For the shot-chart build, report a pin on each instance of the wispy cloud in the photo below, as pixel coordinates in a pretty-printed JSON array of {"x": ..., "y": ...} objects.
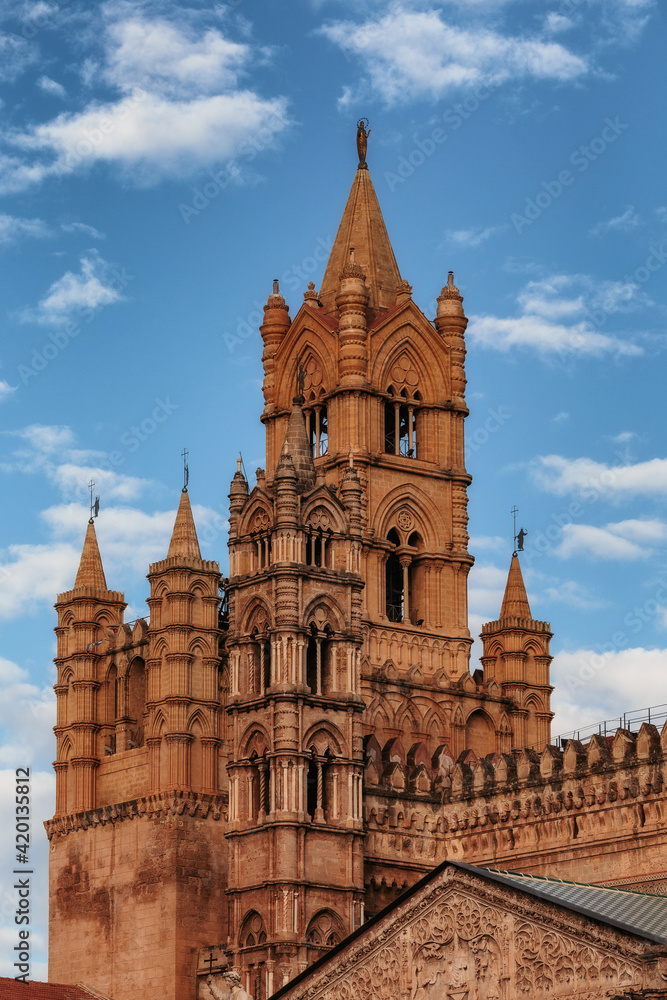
[
  {"x": 473, "y": 237},
  {"x": 624, "y": 223},
  {"x": 410, "y": 54},
  {"x": 82, "y": 227},
  {"x": 13, "y": 228},
  {"x": 52, "y": 87},
  {"x": 556, "y": 317},
  {"x": 76, "y": 294}
]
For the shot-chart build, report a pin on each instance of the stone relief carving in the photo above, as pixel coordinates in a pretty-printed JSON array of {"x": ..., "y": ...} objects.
[{"x": 458, "y": 948}]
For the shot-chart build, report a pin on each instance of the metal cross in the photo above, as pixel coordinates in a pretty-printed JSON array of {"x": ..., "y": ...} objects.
[
  {"x": 186, "y": 471},
  {"x": 209, "y": 960},
  {"x": 514, "y": 511}
]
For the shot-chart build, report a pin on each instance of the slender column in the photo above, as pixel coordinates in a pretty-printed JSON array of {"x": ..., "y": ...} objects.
[
  {"x": 319, "y": 665},
  {"x": 411, "y": 442},
  {"x": 317, "y": 431},
  {"x": 319, "y": 811},
  {"x": 397, "y": 428},
  {"x": 262, "y": 793},
  {"x": 405, "y": 563}
]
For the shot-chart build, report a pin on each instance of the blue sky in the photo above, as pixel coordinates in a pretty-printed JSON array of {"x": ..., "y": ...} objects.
[{"x": 160, "y": 164}]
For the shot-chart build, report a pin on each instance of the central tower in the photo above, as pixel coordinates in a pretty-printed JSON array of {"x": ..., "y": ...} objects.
[{"x": 347, "y": 590}]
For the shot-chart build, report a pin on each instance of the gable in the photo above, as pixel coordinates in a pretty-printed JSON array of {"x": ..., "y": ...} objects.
[{"x": 459, "y": 935}]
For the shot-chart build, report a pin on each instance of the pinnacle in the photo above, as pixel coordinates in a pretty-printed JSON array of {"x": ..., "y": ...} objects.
[
  {"x": 91, "y": 571},
  {"x": 297, "y": 447},
  {"x": 515, "y": 601},
  {"x": 184, "y": 536},
  {"x": 362, "y": 228}
]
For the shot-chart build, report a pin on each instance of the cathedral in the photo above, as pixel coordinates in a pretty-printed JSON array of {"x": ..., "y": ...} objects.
[{"x": 265, "y": 764}]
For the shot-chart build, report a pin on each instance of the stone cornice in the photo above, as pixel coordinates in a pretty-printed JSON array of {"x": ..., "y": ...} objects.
[{"x": 159, "y": 805}]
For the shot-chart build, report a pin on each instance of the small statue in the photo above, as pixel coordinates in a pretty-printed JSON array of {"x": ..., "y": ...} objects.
[
  {"x": 362, "y": 141},
  {"x": 233, "y": 989},
  {"x": 519, "y": 540}
]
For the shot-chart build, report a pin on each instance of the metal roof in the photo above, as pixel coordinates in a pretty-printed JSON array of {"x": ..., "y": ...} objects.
[{"x": 639, "y": 913}]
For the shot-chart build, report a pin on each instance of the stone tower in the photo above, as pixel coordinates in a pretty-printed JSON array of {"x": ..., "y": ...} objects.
[
  {"x": 516, "y": 656},
  {"x": 137, "y": 868}
]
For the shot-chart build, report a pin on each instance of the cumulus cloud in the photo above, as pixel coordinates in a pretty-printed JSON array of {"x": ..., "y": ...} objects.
[
  {"x": 6, "y": 390},
  {"x": 630, "y": 539},
  {"x": 589, "y": 479},
  {"x": 178, "y": 106},
  {"x": 624, "y": 223},
  {"x": 412, "y": 54},
  {"x": 558, "y": 316},
  {"x": 13, "y": 228},
  {"x": 74, "y": 294},
  {"x": 16, "y": 54},
  {"x": 594, "y": 685}
]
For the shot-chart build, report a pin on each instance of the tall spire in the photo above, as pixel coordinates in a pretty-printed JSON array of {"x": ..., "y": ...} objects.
[
  {"x": 91, "y": 571},
  {"x": 362, "y": 228},
  {"x": 184, "y": 536},
  {"x": 515, "y": 601}
]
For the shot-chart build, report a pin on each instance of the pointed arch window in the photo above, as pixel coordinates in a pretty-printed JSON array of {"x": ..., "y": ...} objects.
[
  {"x": 400, "y": 423},
  {"x": 317, "y": 429}
]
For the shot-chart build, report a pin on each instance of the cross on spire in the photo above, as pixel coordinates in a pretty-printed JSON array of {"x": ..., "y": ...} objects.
[
  {"x": 94, "y": 503},
  {"x": 186, "y": 470}
]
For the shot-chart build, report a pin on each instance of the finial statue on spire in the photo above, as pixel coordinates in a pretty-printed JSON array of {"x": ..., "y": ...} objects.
[
  {"x": 520, "y": 535},
  {"x": 363, "y": 133},
  {"x": 94, "y": 503},
  {"x": 186, "y": 470}
]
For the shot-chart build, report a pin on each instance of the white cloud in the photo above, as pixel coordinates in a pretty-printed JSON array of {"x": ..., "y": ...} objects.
[
  {"x": 561, "y": 418},
  {"x": 13, "y": 228},
  {"x": 487, "y": 542},
  {"x": 172, "y": 60},
  {"x": 555, "y": 23},
  {"x": 624, "y": 437},
  {"x": 545, "y": 305},
  {"x": 590, "y": 480},
  {"x": 147, "y": 136},
  {"x": 472, "y": 237},
  {"x": 623, "y": 223},
  {"x": 661, "y": 213},
  {"x": 180, "y": 109},
  {"x": 594, "y": 685},
  {"x": 52, "y": 87},
  {"x": 82, "y": 227},
  {"x": 412, "y": 54},
  {"x": 601, "y": 543},
  {"x": 94, "y": 287},
  {"x": 6, "y": 390}
]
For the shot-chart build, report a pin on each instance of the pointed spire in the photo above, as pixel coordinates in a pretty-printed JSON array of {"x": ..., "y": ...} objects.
[
  {"x": 184, "y": 536},
  {"x": 515, "y": 601},
  {"x": 363, "y": 228},
  {"x": 297, "y": 447},
  {"x": 91, "y": 571}
]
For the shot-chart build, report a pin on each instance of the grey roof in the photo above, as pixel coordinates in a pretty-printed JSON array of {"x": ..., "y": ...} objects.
[{"x": 640, "y": 913}]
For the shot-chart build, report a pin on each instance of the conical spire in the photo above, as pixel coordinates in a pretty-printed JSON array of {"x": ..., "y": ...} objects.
[
  {"x": 515, "y": 601},
  {"x": 362, "y": 229},
  {"x": 184, "y": 536},
  {"x": 91, "y": 571},
  {"x": 297, "y": 447}
]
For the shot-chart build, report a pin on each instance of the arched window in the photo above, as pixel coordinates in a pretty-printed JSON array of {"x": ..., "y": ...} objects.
[
  {"x": 317, "y": 652},
  {"x": 395, "y": 582},
  {"x": 317, "y": 429},
  {"x": 252, "y": 931},
  {"x": 325, "y": 930},
  {"x": 480, "y": 734},
  {"x": 400, "y": 424}
]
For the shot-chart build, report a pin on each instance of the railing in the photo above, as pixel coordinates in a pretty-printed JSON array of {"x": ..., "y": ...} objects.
[{"x": 656, "y": 715}]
